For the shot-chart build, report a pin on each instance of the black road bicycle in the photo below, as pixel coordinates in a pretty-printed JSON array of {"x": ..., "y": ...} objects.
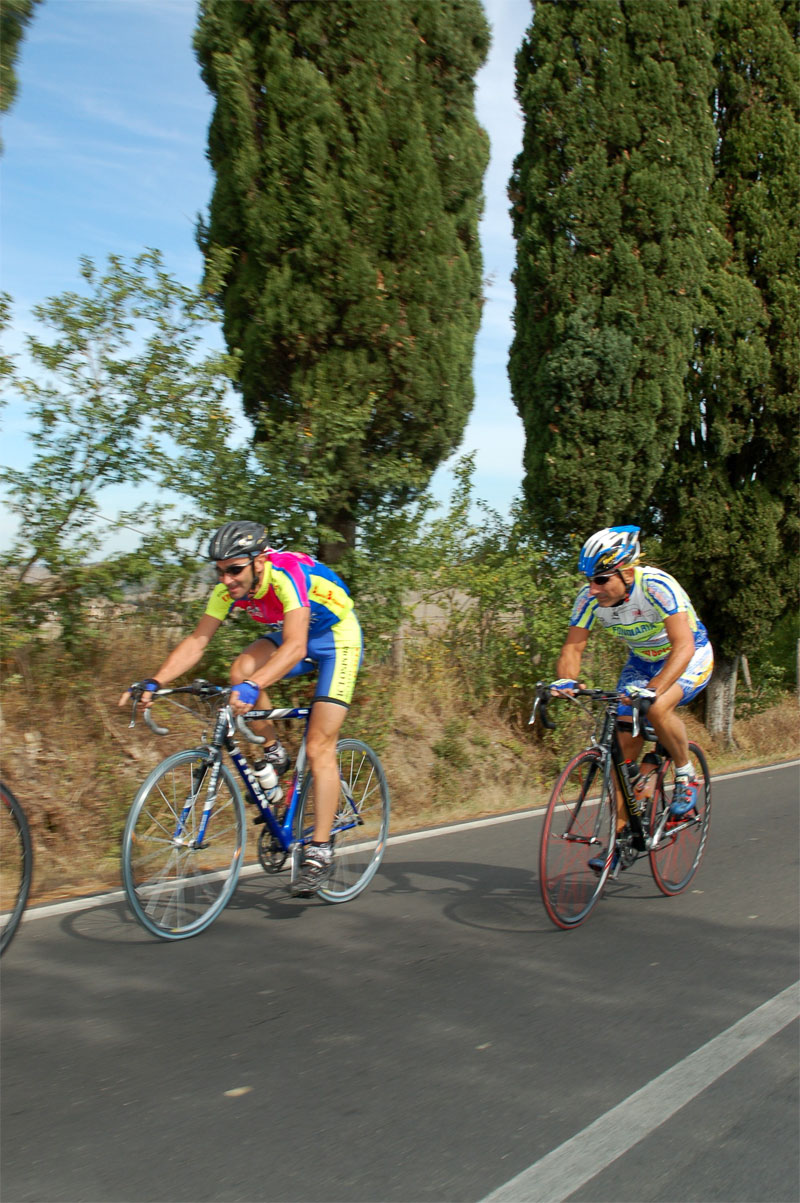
[
  {"x": 16, "y": 865},
  {"x": 581, "y": 820}
]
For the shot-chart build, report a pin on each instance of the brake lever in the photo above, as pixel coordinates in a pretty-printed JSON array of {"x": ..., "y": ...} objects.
[{"x": 540, "y": 710}]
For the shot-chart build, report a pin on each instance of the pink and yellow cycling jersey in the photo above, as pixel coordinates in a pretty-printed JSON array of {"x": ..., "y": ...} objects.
[
  {"x": 291, "y": 580},
  {"x": 639, "y": 620}
]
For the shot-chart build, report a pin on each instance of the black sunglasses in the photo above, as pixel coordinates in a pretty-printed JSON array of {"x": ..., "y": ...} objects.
[
  {"x": 231, "y": 570},
  {"x": 602, "y": 579}
]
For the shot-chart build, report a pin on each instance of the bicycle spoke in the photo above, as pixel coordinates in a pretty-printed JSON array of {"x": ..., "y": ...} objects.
[
  {"x": 679, "y": 846},
  {"x": 577, "y": 828},
  {"x": 361, "y": 823},
  {"x": 176, "y": 885}
]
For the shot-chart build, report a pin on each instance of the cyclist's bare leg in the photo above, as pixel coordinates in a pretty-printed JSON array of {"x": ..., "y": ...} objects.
[
  {"x": 631, "y": 750},
  {"x": 321, "y": 738},
  {"x": 249, "y": 661},
  {"x": 669, "y": 728}
]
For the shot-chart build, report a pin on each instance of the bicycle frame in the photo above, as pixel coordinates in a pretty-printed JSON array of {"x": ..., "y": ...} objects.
[
  {"x": 611, "y": 750},
  {"x": 588, "y": 808},
  {"x": 610, "y": 755},
  {"x": 281, "y": 831},
  {"x": 185, "y": 835},
  {"x": 224, "y": 740}
]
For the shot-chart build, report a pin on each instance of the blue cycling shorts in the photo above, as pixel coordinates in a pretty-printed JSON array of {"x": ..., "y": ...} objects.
[
  {"x": 693, "y": 681},
  {"x": 336, "y": 654}
]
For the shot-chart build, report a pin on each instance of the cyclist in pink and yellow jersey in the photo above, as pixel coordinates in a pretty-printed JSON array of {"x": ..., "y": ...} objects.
[
  {"x": 670, "y": 658},
  {"x": 318, "y": 630}
]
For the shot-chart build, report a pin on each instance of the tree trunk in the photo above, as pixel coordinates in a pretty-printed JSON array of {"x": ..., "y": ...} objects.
[
  {"x": 332, "y": 550},
  {"x": 720, "y": 700}
]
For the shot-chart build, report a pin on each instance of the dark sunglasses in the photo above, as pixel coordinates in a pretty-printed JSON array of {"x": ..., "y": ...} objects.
[
  {"x": 231, "y": 570},
  {"x": 602, "y": 579}
]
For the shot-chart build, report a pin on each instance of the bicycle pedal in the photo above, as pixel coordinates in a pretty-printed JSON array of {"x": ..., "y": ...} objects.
[{"x": 258, "y": 819}]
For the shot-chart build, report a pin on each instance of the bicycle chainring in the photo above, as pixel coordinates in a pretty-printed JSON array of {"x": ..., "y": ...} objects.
[
  {"x": 271, "y": 856},
  {"x": 627, "y": 852}
]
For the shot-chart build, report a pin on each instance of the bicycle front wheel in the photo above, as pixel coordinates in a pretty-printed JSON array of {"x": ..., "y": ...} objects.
[
  {"x": 361, "y": 824},
  {"x": 578, "y": 826},
  {"x": 679, "y": 843},
  {"x": 16, "y": 865},
  {"x": 177, "y": 873}
]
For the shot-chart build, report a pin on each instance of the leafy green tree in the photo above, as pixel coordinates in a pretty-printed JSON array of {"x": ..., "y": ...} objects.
[
  {"x": 728, "y": 503},
  {"x": 342, "y": 239},
  {"x": 14, "y": 16},
  {"x": 124, "y": 393},
  {"x": 609, "y": 211}
]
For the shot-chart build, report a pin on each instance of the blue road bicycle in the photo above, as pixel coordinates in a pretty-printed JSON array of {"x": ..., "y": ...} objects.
[{"x": 184, "y": 840}]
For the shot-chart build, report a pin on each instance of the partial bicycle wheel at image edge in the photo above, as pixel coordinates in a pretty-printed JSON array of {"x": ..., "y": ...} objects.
[
  {"x": 177, "y": 875},
  {"x": 362, "y": 821},
  {"x": 16, "y": 865},
  {"x": 578, "y": 826},
  {"x": 677, "y": 855}
]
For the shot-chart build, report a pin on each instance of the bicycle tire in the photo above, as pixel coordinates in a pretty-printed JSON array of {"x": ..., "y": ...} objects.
[
  {"x": 579, "y": 824},
  {"x": 361, "y": 824},
  {"x": 677, "y": 857},
  {"x": 176, "y": 890},
  {"x": 16, "y": 866}
]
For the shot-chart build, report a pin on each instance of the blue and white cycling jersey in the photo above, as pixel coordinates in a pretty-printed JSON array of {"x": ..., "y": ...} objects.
[{"x": 639, "y": 621}]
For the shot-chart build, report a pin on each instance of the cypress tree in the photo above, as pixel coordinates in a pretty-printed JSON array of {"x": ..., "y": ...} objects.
[
  {"x": 728, "y": 503},
  {"x": 342, "y": 237},
  {"x": 608, "y": 206}
]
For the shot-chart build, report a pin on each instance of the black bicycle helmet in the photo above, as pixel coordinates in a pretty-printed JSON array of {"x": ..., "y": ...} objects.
[{"x": 237, "y": 539}]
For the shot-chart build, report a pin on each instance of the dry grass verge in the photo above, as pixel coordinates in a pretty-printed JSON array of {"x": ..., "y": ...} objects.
[{"x": 75, "y": 765}]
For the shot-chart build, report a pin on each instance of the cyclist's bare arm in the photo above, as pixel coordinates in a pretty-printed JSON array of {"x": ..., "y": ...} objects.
[
  {"x": 182, "y": 658},
  {"x": 293, "y": 647},
  {"x": 569, "y": 661}
]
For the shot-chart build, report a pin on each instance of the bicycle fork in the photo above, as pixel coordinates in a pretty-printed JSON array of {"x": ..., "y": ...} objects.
[{"x": 210, "y": 778}]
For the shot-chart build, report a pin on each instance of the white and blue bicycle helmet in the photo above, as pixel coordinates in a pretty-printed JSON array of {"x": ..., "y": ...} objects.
[{"x": 610, "y": 549}]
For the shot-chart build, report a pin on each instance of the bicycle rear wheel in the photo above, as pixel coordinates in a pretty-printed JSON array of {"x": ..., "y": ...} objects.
[
  {"x": 175, "y": 881},
  {"x": 361, "y": 824},
  {"x": 16, "y": 865},
  {"x": 579, "y": 825},
  {"x": 681, "y": 842}
]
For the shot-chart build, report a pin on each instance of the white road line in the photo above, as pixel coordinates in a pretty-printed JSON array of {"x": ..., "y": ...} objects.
[
  {"x": 564, "y": 1170},
  {"x": 85, "y": 904}
]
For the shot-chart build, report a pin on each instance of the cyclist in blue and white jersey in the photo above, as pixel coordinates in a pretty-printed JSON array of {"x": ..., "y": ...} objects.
[
  {"x": 670, "y": 658},
  {"x": 319, "y": 629}
]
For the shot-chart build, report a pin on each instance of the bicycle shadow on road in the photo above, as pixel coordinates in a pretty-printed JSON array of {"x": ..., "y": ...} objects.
[
  {"x": 473, "y": 894},
  {"x": 114, "y": 922},
  {"x": 495, "y": 897}
]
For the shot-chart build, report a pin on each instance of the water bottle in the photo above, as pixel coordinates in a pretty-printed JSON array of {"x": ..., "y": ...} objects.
[
  {"x": 267, "y": 778},
  {"x": 644, "y": 783},
  {"x": 638, "y": 785}
]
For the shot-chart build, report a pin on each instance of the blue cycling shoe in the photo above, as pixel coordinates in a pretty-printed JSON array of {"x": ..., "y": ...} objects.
[
  {"x": 598, "y": 863},
  {"x": 684, "y": 797}
]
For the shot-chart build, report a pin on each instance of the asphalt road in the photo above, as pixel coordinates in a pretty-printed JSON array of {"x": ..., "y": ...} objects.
[{"x": 437, "y": 1039}]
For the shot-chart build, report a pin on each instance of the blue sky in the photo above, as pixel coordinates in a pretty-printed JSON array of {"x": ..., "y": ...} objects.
[{"x": 104, "y": 152}]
